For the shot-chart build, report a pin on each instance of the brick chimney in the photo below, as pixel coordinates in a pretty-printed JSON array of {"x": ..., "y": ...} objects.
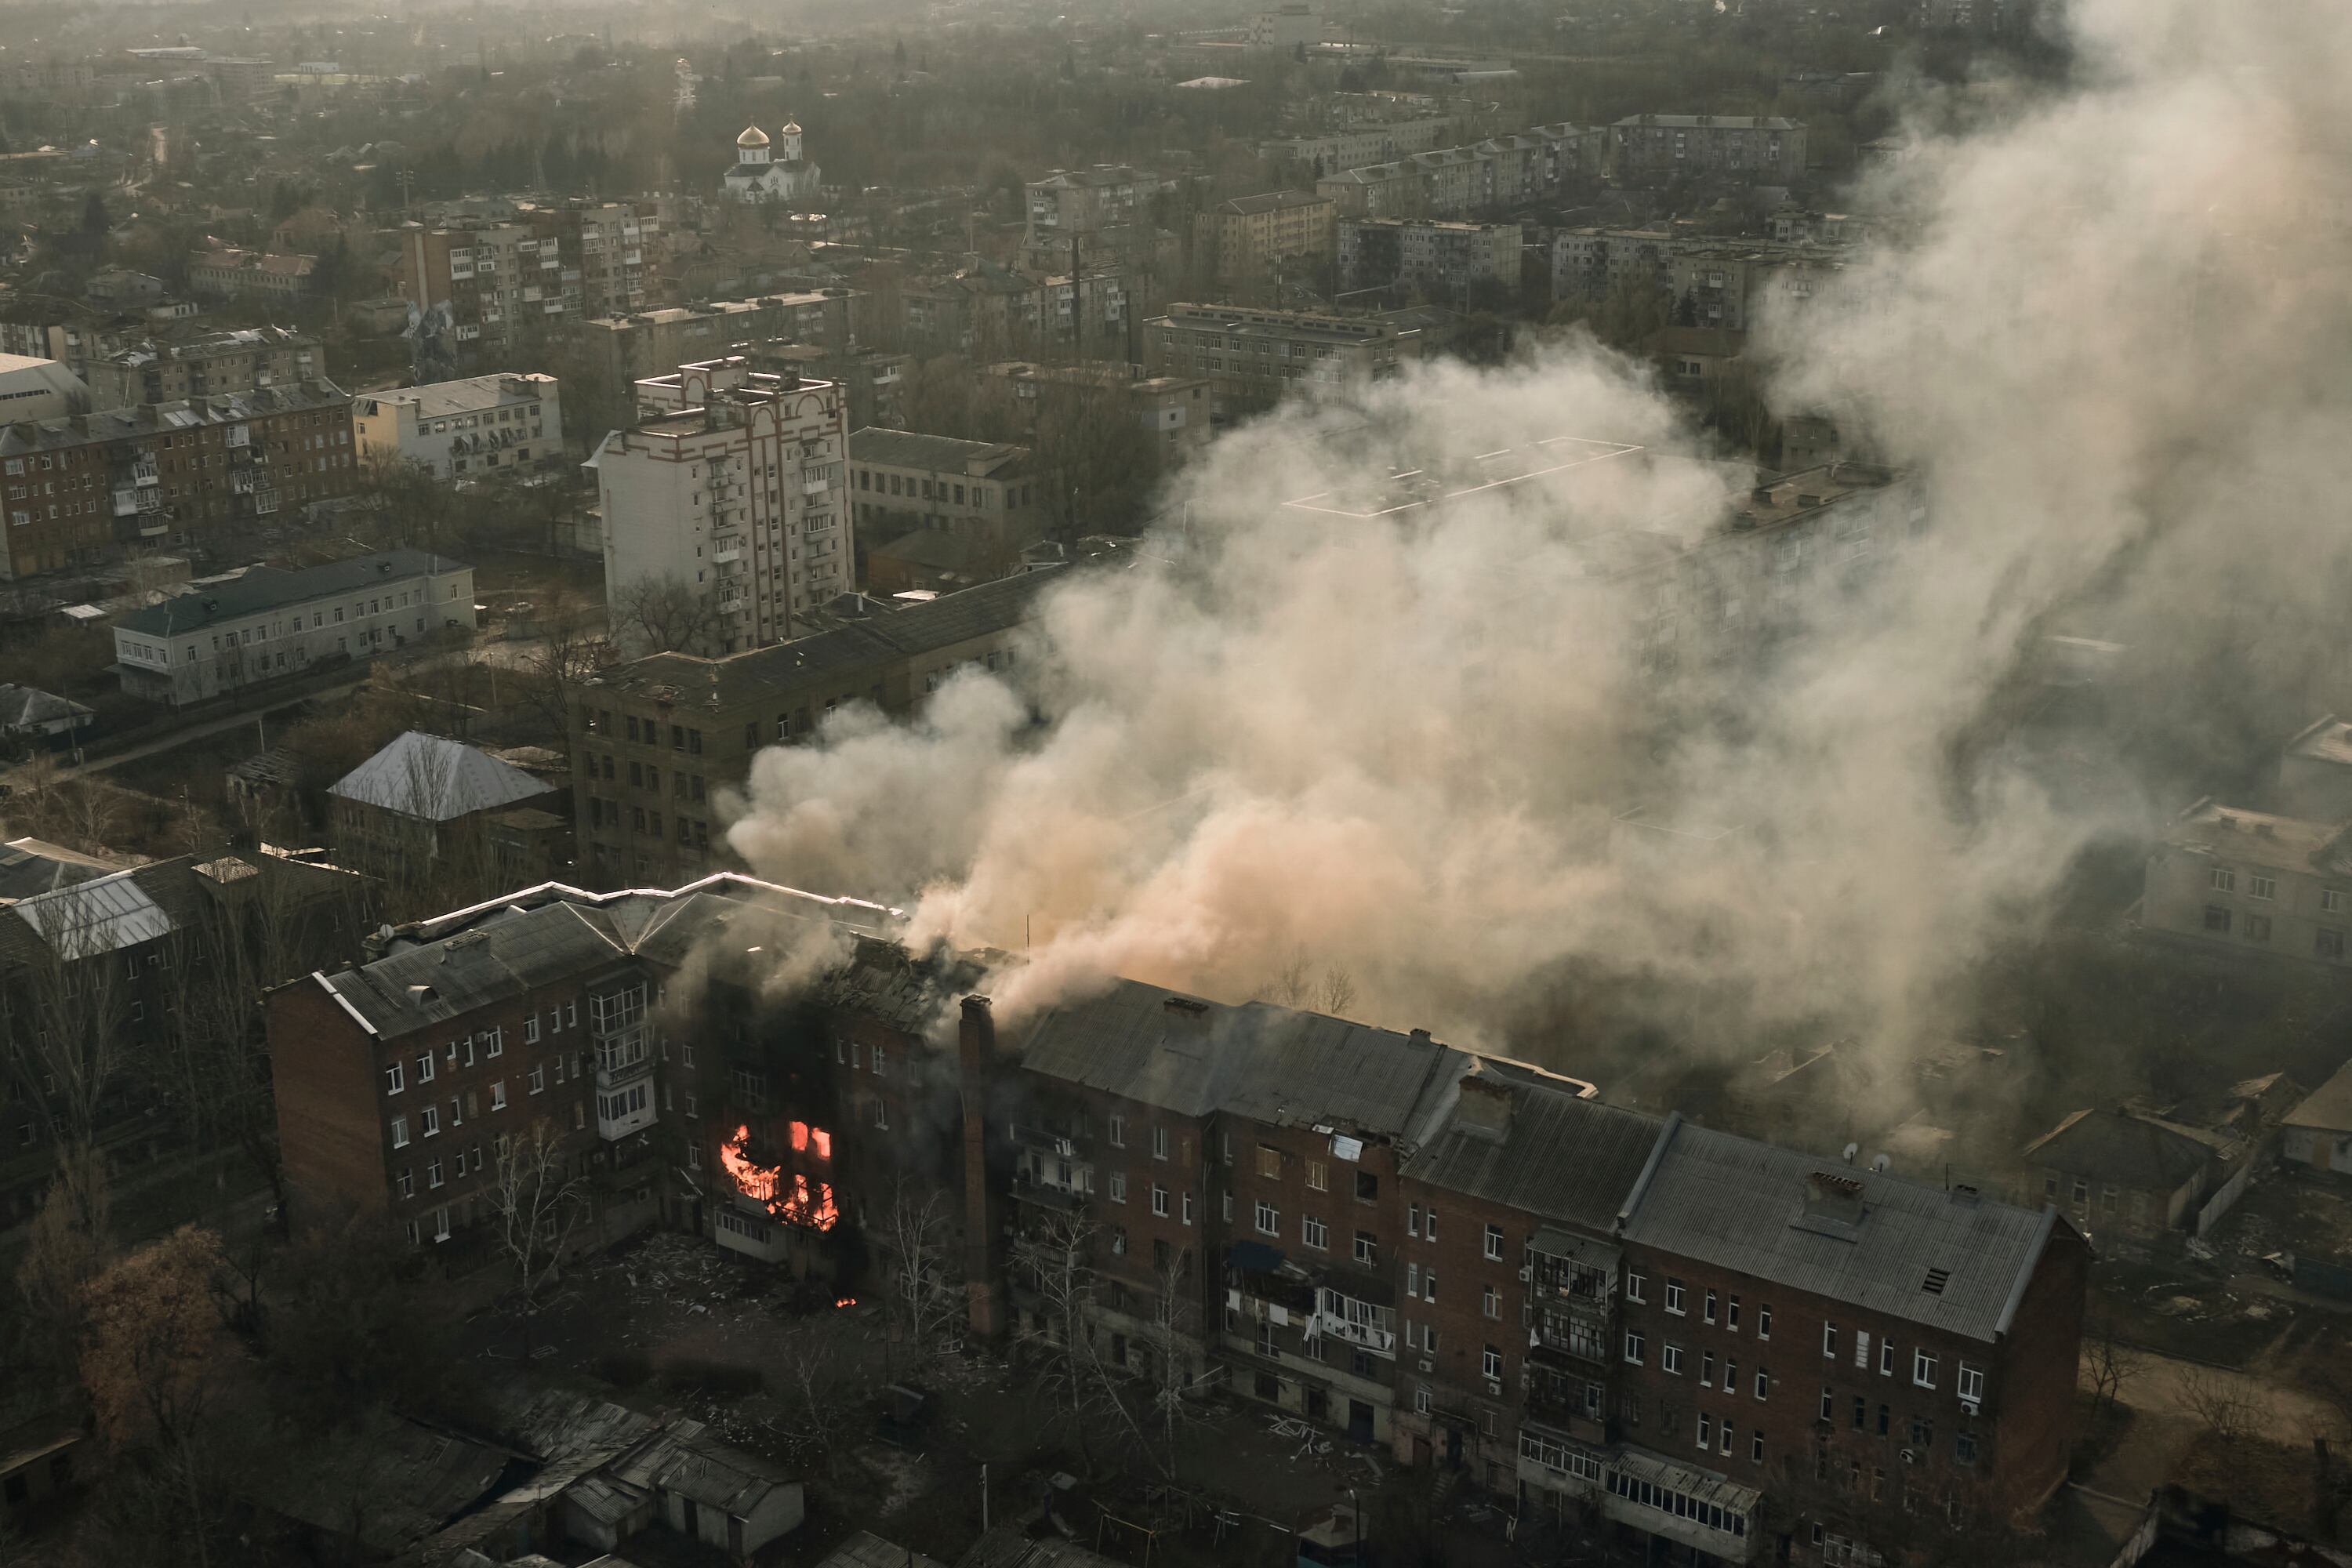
[
  {"x": 1485, "y": 1108},
  {"x": 984, "y": 1221}
]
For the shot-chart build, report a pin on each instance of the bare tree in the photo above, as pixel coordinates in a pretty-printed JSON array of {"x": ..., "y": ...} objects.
[
  {"x": 538, "y": 1204},
  {"x": 2111, "y": 1364},
  {"x": 2221, "y": 1400},
  {"x": 67, "y": 1045},
  {"x": 569, "y": 648},
  {"x": 663, "y": 615},
  {"x": 65, "y": 1246},
  {"x": 819, "y": 1410},
  {"x": 923, "y": 1300},
  {"x": 1339, "y": 989},
  {"x": 1056, "y": 1256}
]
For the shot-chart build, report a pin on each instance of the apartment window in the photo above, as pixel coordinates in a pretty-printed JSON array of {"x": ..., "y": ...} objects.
[
  {"x": 1828, "y": 1406},
  {"x": 1637, "y": 1287},
  {"x": 1670, "y": 1360},
  {"x": 538, "y": 1080},
  {"x": 1368, "y": 1248},
  {"x": 1829, "y": 1341},
  {"x": 1923, "y": 1369},
  {"x": 1634, "y": 1346},
  {"x": 1885, "y": 1358},
  {"x": 1861, "y": 1348},
  {"x": 1705, "y": 1430},
  {"x": 530, "y": 1030},
  {"x": 1269, "y": 1219},
  {"x": 2261, "y": 886},
  {"x": 1160, "y": 1200},
  {"x": 1428, "y": 1285},
  {"x": 1492, "y": 1303},
  {"x": 1491, "y": 1363},
  {"x": 432, "y": 1175},
  {"x": 2223, "y": 879},
  {"x": 499, "y": 1095},
  {"x": 1119, "y": 1186},
  {"x": 1763, "y": 1384},
  {"x": 1971, "y": 1384},
  {"x": 1118, "y": 1131},
  {"x": 1412, "y": 1220},
  {"x": 394, "y": 1078},
  {"x": 2258, "y": 928},
  {"x": 1494, "y": 1244},
  {"x": 1709, "y": 1312},
  {"x": 1756, "y": 1448},
  {"x": 1368, "y": 1190},
  {"x": 881, "y": 1116},
  {"x": 2217, "y": 918},
  {"x": 1674, "y": 1297},
  {"x": 1318, "y": 1176},
  {"x": 2331, "y": 901},
  {"x": 425, "y": 1067},
  {"x": 1269, "y": 1161},
  {"x": 2327, "y": 943},
  {"x": 406, "y": 1181},
  {"x": 428, "y": 1121},
  {"x": 691, "y": 1112},
  {"x": 1731, "y": 1315},
  {"x": 1160, "y": 1142},
  {"x": 400, "y": 1132},
  {"x": 1706, "y": 1370},
  {"x": 1861, "y": 1411},
  {"x": 1314, "y": 1233},
  {"x": 1428, "y": 1224}
]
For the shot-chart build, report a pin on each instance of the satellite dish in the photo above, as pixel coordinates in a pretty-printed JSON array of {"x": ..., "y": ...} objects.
[
  {"x": 1880, "y": 1161},
  {"x": 1851, "y": 1151}
]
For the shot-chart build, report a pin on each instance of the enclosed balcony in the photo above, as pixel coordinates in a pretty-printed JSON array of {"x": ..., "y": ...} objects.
[{"x": 616, "y": 1029}]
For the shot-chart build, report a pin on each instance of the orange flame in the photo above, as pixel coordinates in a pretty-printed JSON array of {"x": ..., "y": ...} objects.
[
  {"x": 844, "y": 1300},
  {"x": 795, "y": 1203},
  {"x": 824, "y": 1144},
  {"x": 799, "y": 1131}
]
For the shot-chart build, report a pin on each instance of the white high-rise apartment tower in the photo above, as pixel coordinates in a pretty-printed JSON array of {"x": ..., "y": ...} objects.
[{"x": 724, "y": 506}]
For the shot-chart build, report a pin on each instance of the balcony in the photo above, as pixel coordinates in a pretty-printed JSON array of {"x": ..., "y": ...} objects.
[
  {"x": 238, "y": 436},
  {"x": 621, "y": 1111},
  {"x": 156, "y": 529},
  {"x": 265, "y": 502},
  {"x": 241, "y": 481},
  {"x": 126, "y": 502}
]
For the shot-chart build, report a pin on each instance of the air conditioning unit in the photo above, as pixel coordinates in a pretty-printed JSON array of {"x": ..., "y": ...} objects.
[
  {"x": 1969, "y": 1406},
  {"x": 1909, "y": 1458},
  {"x": 1494, "y": 1388},
  {"x": 1525, "y": 1274},
  {"x": 1427, "y": 1364}
]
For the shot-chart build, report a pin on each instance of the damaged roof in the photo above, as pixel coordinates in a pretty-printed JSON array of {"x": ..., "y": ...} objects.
[
  {"x": 685, "y": 1459},
  {"x": 1562, "y": 1154},
  {"x": 451, "y": 965},
  {"x": 2131, "y": 1151},
  {"x": 1193, "y": 1057},
  {"x": 1951, "y": 1260}
]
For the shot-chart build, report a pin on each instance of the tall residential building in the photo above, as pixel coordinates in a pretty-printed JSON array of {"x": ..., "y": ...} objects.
[
  {"x": 483, "y": 426},
  {"x": 1251, "y": 240},
  {"x": 730, "y": 499},
  {"x": 95, "y": 488},
  {"x": 1428, "y": 256},
  {"x": 506, "y": 282},
  {"x": 1252, "y": 358},
  {"x": 1763, "y": 150},
  {"x": 601, "y": 252},
  {"x": 244, "y": 360}
]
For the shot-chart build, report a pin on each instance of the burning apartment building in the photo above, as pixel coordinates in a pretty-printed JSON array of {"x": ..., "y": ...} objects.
[{"x": 1475, "y": 1263}]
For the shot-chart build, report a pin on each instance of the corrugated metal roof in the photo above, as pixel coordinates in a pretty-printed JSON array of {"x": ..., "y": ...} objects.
[
  {"x": 436, "y": 779},
  {"x": 104, "y": 914},
  {"x": 866, "y": 1549},
  {"x": 1193, "y": 1057},
  {"x": 1561, "y": 1156},
  {"x": 1747, "y": 1207}
]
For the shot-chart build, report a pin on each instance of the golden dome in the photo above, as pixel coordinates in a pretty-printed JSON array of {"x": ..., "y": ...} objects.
[{"x": 752, "y": 137}]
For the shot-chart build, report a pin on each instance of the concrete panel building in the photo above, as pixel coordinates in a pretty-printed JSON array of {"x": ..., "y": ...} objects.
[
  {"x": 1252, "y": 240},
  {"x": 731, "y": 494},
  {"x": 249, "y": 359},
  {"x": 1755, "y": 148}
]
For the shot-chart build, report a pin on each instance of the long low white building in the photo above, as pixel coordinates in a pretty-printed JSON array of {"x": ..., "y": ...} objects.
[
  {"x": 268, "y": 625},
  {"x": 477, "y": 427}
]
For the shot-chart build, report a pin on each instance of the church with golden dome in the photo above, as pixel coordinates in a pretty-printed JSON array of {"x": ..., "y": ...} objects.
[{"x": 775, "y": 171}]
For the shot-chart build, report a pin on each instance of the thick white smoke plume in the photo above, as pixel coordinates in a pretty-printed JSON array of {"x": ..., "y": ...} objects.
[{"x": 2105, "y": 345}]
